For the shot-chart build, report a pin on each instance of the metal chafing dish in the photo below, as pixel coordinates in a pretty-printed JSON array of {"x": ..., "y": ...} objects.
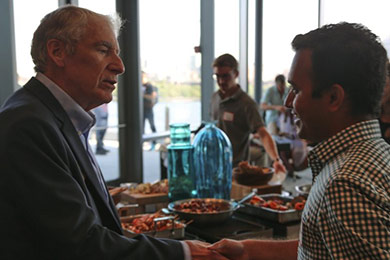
[
  {"x": 289, "y": 215},
  {"x": 176, "y": 232},
  {"x": 227, "y": 209}
]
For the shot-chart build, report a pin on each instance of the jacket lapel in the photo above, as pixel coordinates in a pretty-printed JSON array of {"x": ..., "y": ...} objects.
[{"x": 70, "y": 134}]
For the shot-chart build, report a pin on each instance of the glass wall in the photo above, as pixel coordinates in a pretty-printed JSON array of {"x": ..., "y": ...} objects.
[
  {"x": 27, "y": 18},
  {"x": 169, "y": 31},
  {"x": 251, "y": 46},
  {"x": 372, "y": 14},
  {"x": 227, "y": 27},
  {"x": 167, "y": 41},
  {"x": 282, "y": 20}
]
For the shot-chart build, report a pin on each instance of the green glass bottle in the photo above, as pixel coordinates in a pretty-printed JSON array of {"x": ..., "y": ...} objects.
[{"x": 181, "y": 175}]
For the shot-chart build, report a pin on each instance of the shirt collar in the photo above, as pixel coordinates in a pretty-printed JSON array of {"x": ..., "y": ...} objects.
[
  {"x": 235, "y": 94},
  {"x": 285, "y": 91},
  {"x": 335, "y": 145},
  {"x": 81, "y": 119}
]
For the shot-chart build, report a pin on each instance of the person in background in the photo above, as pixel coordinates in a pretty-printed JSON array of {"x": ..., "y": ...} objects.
[
  {"x": 337, "y": 79},
  {"x": 272, "y": 104},
  {"x": 280, "y": 124},
  {"x": 150, "y": 99},
  {"x": 296, "y": 158},
  {"x": 237, "y": 114},
  {"x": 101, "y": 115},
  {"x": 53, "y": 198}
]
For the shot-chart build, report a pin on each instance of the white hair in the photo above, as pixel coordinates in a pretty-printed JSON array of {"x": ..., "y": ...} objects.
[{"x": 67, "y": 24}]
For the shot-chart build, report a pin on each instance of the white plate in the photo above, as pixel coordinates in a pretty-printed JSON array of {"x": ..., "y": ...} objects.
[{"x": 278, "y": 178}]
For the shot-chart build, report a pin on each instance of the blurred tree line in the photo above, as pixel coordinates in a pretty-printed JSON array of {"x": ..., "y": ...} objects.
[{"x": 168, "y": 90}]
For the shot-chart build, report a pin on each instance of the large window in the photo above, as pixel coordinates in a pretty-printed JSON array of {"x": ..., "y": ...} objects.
[
  {"x": 169, "y": 30},
  {"x": 282, "y": 21},
  {"x": 227, "y": 27},
  {"x": 27, "y": 18},
  {"x": 372, "y": 14},
  {"x": 251, "y": 46}
]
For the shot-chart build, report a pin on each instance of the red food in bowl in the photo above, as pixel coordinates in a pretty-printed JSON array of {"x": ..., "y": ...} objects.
[{"x": 252, "y": 175}]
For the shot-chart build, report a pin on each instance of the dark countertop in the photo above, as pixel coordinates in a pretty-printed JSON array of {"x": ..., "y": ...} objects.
[{"x": 243, "y": 226}]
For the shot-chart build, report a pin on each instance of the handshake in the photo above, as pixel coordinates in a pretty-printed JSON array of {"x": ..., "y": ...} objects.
[
  {"x": 249, "y": 249},
  {"x": 221, "y": 250}
]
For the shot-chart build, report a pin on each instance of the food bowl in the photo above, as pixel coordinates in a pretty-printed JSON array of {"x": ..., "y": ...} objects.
[
  {"x": 224, "y": 212},
  {"x": 253, "y": 178}
]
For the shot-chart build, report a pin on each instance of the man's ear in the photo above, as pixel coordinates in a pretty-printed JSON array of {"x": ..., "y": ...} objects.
[
  {"x": 56, "y": 51},
  {"x": 336, "y": 97}
]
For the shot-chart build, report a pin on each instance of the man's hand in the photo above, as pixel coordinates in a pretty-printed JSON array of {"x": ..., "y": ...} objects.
[
  {"x": 279, "y": 167},
  {"x": 281, "y": 109},
  {"x": 249, "y": 249},
  {"x": 232, "y": 249},
  {"x": 201, "y": 251}
]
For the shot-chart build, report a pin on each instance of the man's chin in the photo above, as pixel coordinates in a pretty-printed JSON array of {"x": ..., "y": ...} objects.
[
  {"x": 306, "y": 138},
  {"x": 301, "y": 133},
  {"x": 106, "y": 98},
  {"x": 103, "y": 100}
]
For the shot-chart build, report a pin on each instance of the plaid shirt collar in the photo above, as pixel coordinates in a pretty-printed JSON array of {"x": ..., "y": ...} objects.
[{"x": 328, "y": 149}]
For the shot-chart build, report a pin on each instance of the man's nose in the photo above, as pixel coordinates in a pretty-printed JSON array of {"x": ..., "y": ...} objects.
[{"x": 117, "y": 65}]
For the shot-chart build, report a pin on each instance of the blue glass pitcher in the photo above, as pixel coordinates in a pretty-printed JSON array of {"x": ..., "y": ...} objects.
[{"x": 213, "y": 157}]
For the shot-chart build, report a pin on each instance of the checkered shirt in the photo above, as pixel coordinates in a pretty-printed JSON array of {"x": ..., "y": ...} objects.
[{"x": 347, "y": 214}]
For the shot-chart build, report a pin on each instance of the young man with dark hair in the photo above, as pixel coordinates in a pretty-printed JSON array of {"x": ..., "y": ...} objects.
[{"x": 337, "y": 79}]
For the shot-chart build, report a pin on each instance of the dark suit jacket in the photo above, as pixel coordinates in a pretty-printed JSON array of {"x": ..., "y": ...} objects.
[{"x": 51, "y": 203}]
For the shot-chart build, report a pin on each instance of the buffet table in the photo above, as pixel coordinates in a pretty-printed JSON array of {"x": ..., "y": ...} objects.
[
  {"x": 242, "y": 226},
  {"x": 239, "y": 225}
]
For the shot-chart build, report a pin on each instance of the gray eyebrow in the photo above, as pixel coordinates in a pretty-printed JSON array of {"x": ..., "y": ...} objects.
[{"x": 106, "y": 44}]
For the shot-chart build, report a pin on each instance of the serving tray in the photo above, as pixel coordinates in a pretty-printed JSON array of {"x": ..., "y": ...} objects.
[
  {"x": 279, "y": 216},
  {"x": 176, "y": 232}
]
